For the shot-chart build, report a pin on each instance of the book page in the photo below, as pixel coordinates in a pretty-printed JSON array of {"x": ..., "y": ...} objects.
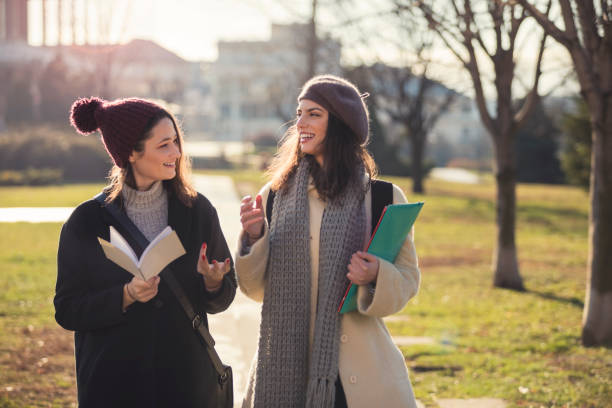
[
  {"x": 117, "y": 240},
  {"x": 158, "y": 238},
  {"x": 165, "y": 250},
  {"x": 120, "y": 258}
]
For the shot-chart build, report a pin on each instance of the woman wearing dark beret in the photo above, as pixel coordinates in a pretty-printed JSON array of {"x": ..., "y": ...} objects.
[
  {"x": 134, "y": 344},
  {"x": 301, "y": 261}
]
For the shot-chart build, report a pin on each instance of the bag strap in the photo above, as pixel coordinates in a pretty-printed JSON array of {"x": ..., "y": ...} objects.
[
  {"x": 382, "y": 195},
  {"x": 269, "y": 205},
  {"x": 175, "y": 287}
]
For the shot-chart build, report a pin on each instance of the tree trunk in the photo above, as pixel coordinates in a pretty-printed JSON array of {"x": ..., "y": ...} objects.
[
  {"x": 597, "y": 321},
  {"x": 2, "y": 113},
  {"x": 312, "y": 42},
  {"x": 44, "y": 23},
  {"x": 418, "y": 147},
  {"x": 505, "y": 260}
]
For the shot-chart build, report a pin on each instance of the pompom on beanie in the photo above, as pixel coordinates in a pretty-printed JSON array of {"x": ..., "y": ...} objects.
[
  {"x": 121, "y": 123},
  {"x": 342, "y": 99}
]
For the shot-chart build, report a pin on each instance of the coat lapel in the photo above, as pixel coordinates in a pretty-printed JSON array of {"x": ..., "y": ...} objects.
[
  {"x": 179, "y": 218},
  {"x": 109, "y": 219}
]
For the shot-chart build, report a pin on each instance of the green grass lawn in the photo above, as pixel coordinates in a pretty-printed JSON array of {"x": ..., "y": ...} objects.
[{"x": 521, "y": 347}]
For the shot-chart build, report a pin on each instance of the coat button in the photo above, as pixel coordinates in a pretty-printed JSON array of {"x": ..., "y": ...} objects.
[
  {"x": 159, "y": 303},
  {"x": 353, "y": 379},
  {"x": 344, "y": 338}
]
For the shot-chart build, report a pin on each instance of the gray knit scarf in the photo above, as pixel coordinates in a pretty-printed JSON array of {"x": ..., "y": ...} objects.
[{"x": 283, "y": 378}]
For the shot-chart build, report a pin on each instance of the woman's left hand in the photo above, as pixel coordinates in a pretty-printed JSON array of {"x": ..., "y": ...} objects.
[
  {"x": 363, "y": 268},
  {"x": 212, "y": 273}
]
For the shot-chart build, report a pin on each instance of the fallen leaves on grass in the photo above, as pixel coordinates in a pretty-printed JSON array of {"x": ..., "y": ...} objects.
[{"x": 40, "y": 368}]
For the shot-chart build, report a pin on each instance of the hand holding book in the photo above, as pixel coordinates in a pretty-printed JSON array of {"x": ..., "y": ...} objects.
[
  {"x": 387, "y": 239},
  {"x": 138, "y": 290},
  {"x": 363, "y": 268}
]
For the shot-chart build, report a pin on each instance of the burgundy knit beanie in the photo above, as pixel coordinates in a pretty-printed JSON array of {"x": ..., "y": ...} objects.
[
  {"x": 121, "y": 122},
  {"x": 342, "y": 99}
]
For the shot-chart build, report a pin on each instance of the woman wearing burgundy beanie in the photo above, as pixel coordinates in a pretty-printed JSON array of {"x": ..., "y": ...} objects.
[
  {"x": 134, "y": 345},
  {"x": 301, "y": 244}
]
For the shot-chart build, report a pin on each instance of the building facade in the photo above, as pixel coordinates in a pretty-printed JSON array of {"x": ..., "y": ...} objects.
[
  {"x": 254, "y": 84},
  {"x": 14, "y": 20}
]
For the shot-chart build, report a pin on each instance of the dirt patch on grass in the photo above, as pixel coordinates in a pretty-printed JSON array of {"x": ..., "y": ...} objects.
[
  {"x": 39, "y": 370},
  {"x": 453, "y": 260}
]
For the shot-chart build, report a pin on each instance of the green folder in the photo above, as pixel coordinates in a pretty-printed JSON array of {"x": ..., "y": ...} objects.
[{"x": 387, "y": 239}]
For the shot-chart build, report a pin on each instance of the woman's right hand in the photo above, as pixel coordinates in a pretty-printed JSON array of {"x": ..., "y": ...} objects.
[
  {"x": 138, "y": 290},
  {"x": 252, "y": 217}
]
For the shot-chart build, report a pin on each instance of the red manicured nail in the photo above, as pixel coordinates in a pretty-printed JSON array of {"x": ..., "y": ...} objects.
[
  {"x": 227, "y": 261},
  {"x": 203, "y": 257},
  {"x": 204, "y": 245},
  {"x": 214, "y": 262}
]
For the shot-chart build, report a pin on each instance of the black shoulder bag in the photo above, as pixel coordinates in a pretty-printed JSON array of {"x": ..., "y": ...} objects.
[{"x": 225, "y": 395}]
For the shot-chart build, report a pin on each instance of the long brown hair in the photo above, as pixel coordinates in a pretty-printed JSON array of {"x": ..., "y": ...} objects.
[
  {"x": 180, "y": 185},
  {"x": 343, "y": 155}
]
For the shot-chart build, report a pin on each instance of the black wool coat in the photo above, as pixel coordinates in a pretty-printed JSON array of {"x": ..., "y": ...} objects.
[{"x": 149, "y": 355}]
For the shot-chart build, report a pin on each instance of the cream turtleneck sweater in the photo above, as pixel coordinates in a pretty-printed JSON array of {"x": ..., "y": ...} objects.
[{"x": 147, "y": 209}]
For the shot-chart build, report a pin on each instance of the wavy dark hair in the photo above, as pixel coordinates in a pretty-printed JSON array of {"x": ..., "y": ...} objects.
[
  {"x": 343, "y": 156},
  {"x": 180, "y": 185}
]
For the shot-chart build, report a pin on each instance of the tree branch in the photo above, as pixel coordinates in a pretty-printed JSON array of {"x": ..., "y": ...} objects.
[
  {"x": 606, "y": 18},
  {"x": 568, "y": 20},
  {"x": 439, "y": 29},
  {"x": 588, "y": 23},
  {"x": 583, "y": 61},
  {"x": 476, "y": 34},
  {"x": 515, "y": 25},
  {"x": 533, "y": 97},
  {"x": 546, "y": 23}
]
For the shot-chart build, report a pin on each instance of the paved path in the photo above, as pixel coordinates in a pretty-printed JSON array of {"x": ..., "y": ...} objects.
[
  {"x": 455, "y": 175},
  {"x": 35, "y": 214}
]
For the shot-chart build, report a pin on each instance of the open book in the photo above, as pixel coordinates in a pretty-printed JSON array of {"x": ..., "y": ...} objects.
[
  {"x": 387, "y": 239},
  {"x": 162, "y": 250}
]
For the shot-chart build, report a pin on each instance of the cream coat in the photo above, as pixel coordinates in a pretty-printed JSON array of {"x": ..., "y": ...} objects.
[{"x": 372, "y": 368}]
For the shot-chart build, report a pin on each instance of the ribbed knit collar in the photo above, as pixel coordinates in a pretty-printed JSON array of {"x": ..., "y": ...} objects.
[{"x": 141, "y": 200}]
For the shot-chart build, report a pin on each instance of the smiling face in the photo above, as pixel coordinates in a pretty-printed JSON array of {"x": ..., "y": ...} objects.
[
  {"x": 159, "y": 158},
  {"x": 312, "y": 128}
]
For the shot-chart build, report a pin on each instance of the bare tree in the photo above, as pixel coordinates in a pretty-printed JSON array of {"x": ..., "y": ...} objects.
[
  {"x": 313, "y": 55},
  {"x": 403, "y": 91},
  {"x": 409, "y": 101},
  {"x": 461, "y": 27},
  {"x": 312, "y": 46},
  {"x": 44, "y": 22},
  {"x": 588, "y": 39},
  {"x": 5, "y": 76}
]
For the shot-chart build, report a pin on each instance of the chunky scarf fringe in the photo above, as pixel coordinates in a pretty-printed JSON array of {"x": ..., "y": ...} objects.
[{"x": 321, "y": 393}]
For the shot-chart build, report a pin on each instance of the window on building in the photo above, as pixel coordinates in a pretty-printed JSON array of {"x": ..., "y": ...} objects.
[
  {"x": 225, "y": 111},
  {"x": 3, "y": 22}
]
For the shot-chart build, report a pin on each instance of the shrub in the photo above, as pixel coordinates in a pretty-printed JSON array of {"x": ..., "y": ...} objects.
[
  {"x": 30, "y": 177},
  {"x": 77, "y": 158}
]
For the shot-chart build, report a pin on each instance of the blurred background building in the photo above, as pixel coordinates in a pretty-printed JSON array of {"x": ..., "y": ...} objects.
[{"x": 247, "y": 94}]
